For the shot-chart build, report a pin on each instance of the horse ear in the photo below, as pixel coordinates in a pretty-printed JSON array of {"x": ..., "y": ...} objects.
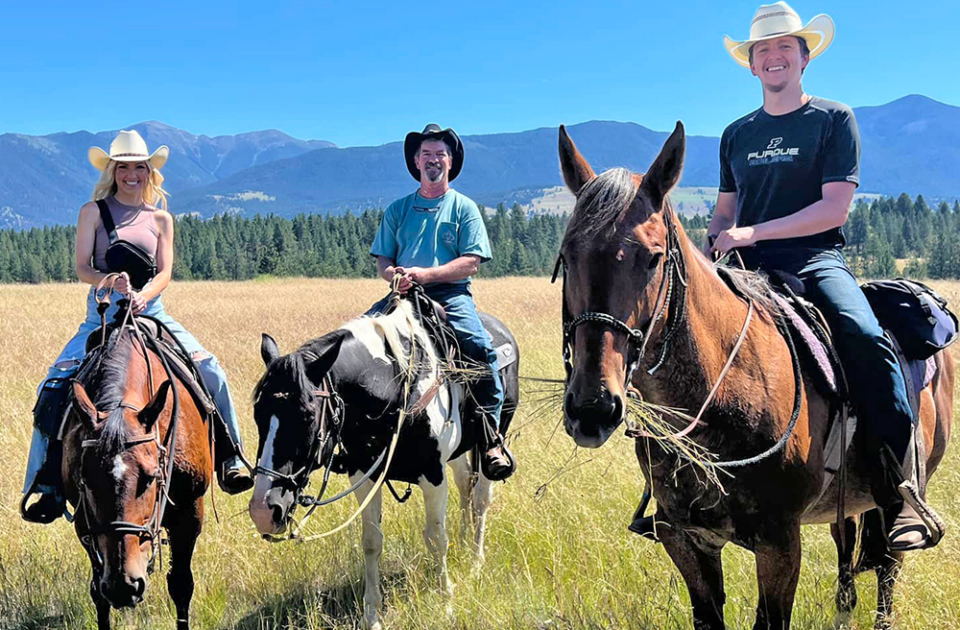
[
  {"x": 148, "y": 416},
  {"x": 88, "y": 411},
  {"x": 576, "y": 170},
  {"x": 318, "y": 368},
  {"x": 268, "y": 348},
  {"x": 665, "y": 171}
]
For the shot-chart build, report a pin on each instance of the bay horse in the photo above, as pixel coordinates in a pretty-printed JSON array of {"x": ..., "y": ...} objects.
[
  {"x": 127, "y": 474},
  {"x": 645, "y": 312},
  {"x": 345, "y": 391}
]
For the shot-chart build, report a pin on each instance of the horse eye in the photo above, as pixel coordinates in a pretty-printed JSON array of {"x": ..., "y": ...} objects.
[{"x": 654, "y": 261}]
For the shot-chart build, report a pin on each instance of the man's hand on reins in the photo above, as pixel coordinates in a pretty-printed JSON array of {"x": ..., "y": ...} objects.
[
  {"x": 400, "y": 279},
  {"x": 734, "y": 238}
]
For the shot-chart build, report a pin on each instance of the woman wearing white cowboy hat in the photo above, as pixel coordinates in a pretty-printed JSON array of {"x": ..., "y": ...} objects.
[
  {"x": 129, "y": 205},
  {"x": 788, "y": 172}
]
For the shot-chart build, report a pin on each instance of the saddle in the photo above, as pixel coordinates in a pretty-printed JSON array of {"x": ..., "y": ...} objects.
[
  {"x": 180, "y": 362},
  {"x": 814, "y": 342}
]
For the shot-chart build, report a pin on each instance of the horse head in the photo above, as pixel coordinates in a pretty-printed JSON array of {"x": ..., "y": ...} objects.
[
  {"x": 119, "y": 494},
  {"x": 294, "y": 437},
  {"x": 616, "y": 256}
]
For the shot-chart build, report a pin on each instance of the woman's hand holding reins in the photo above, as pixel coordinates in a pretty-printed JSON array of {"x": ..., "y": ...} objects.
[{"x": 138, "y": 303}]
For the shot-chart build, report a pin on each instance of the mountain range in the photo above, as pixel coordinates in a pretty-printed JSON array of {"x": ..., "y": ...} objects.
[{"x": 909, "y": 145}]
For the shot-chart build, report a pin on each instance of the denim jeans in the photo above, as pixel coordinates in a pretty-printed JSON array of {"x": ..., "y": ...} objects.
[
  {"x": 877, "y": 387},
  {"x": 474, "y": 340},
  {"x": 73, "y": 353}
]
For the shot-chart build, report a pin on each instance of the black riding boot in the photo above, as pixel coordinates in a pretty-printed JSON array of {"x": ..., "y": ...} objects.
[
  {"x": 496, "y": 461},
  {"x": 231, "y": 480},
  {"x": 48, "y": 413}
]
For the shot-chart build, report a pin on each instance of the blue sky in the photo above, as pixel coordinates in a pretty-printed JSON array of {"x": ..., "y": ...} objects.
[{"x": 365, "y": 73}]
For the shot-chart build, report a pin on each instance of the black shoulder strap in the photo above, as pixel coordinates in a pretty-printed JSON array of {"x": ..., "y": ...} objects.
[{"x": 108, "y": 225}]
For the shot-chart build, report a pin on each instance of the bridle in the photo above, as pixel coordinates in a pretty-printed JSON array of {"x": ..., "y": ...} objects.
[
  {"x": 672, "y": 292},
  {"x": 328, "y": 412},
  {"x": 149, "y": 531},
  {"x": 671, "y": 295}
]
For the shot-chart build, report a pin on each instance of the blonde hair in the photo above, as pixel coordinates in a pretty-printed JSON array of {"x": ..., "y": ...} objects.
[{"x": 153, "y": 192}]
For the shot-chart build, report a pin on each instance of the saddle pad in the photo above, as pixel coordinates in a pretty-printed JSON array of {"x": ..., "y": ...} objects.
[{"x": 813, "y": 353}]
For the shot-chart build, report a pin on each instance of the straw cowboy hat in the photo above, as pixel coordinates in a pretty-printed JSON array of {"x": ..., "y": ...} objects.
[
  {"x": 777, "y": 20},
  {"x": 411, "y": 145},
  {"x": 128, "y": 146}
]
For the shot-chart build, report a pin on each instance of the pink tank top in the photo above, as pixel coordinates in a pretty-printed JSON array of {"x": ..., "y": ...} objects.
[{"x": 135, "y": 224}]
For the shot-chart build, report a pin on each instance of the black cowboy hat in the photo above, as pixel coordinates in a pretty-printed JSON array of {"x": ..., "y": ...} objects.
[{"x": 433, "y": 132}]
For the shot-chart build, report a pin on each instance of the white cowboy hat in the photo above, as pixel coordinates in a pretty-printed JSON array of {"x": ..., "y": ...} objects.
[
  {"x": 128, "y": 146},
  {"x": 777, "y": 20}
]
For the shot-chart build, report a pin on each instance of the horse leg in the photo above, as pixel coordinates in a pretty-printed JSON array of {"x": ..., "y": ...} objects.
[
  {"x": 100, "y": 602},
  {"x": 435, "y": 530},
  {"x": 464, "y": 478},
  {"x": 846, "y": 587},
  {"x": 699, "y": 564},
  {"x": 372, "y": 548},
  {"x": 482, "y": 498},
  {"x": 874, "y": 555},
  {"x": 183, "y": 540},
  {"x": 778, "y": 571}
]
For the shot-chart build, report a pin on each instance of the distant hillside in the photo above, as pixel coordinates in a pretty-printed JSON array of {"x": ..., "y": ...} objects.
[
  {"x": 44, "y": 179},
  {"x": 910, "y": 145},
  {"x": 499, "y": 167}
]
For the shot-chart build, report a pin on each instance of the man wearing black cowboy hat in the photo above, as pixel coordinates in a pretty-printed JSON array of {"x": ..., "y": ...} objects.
[{"x": 436, "y": 238}]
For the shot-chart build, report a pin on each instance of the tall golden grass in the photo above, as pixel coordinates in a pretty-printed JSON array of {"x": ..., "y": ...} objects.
[{"x": 558, "y": 552}]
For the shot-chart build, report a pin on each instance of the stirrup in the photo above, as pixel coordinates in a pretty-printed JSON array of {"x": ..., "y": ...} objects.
[
  {"x": 644, "y": 526},
  {"x": 932, "y": 526}
]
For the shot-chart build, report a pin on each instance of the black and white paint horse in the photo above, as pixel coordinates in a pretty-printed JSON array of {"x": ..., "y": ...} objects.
[{"x": 366, "y": 363}]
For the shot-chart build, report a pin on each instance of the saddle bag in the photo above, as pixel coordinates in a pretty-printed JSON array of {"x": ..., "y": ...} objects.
[
  {"x": 916, "y": 315},
  {"x": 51, "y": 406},
  {"x": 125, "y": 256}
]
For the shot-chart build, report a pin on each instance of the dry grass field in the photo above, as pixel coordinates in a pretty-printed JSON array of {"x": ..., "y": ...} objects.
[{"x": 558, "y": 552}]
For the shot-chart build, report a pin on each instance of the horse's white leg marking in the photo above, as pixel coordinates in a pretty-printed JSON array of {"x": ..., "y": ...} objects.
[
  {"x": 463, "y": 476},
  {"x": 482, "y": 498},
  {"x": 372, "y": 548},
  {"x": 435, "y": 530}
]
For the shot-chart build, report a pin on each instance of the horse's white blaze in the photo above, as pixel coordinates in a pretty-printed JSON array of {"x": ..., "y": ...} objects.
[
  {"x": 119, "y": 468},
  {"x": 261, "y": 515}
]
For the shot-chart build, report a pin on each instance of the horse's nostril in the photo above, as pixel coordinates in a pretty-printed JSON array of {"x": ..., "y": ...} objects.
[
  {"x": 139, "y": 587},
  {"x": 277, "y": 514}
]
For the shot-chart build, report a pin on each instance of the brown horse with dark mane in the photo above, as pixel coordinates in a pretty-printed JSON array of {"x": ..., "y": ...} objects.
[
  {"x": 127, "y": 473},
  {"x": 646, "y": 313}
]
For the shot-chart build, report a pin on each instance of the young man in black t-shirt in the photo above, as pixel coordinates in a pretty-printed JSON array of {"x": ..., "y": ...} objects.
[{"x": 788, "y": 172}]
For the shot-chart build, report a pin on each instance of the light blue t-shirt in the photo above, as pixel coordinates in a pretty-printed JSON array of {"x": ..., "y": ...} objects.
[{"x": 420, "y": 232}]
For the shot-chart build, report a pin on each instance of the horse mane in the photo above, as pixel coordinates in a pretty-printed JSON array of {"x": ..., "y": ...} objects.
[
  {"x": 752, "y": 286},
  {"x": 110, "y": 381}
]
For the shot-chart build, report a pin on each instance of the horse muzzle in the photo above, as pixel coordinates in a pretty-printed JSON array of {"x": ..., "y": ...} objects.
[
  {"x": 123, "y": 590},
  {"x": 591, "y": 420},
  {"x": 271, "y": 506}
]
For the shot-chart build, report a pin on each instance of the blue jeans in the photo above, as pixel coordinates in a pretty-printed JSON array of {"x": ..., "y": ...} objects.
[
  {"x": 876, "y": 383},
  {"x": 474, "y": 340},
  {"x": 73, "y": 353}
]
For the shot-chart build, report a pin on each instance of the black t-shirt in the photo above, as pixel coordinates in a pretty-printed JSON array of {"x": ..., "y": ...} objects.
[{"x": 778, "y": 164}]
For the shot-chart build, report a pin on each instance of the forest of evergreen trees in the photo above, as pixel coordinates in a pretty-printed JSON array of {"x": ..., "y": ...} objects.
[{"x": 232, "y": 248}]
